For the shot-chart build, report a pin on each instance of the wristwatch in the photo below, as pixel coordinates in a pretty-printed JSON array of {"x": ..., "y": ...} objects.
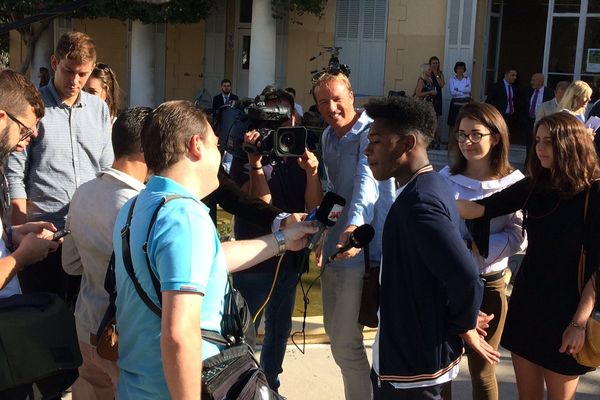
[{"x": 280, "y": 238}]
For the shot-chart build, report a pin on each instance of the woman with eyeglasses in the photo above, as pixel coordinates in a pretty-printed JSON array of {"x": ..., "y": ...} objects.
[
  {"x": 103, "y": 83},
  {"x": 481, "y": 168},
  {"x": 547, "y": 316}
]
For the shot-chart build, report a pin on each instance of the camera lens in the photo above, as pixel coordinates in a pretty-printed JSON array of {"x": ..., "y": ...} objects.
[{"x": 287, "y": 142}]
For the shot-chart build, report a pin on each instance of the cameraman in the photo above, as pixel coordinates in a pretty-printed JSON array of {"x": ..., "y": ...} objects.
[{"x": 293, "y": 185}]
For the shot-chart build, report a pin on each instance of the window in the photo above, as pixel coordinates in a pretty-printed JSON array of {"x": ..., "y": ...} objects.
[{"x": 361, "y": 31}]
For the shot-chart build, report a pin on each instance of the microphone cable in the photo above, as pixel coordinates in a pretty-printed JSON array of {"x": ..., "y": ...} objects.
[
  {"x": 261, "y": 308},
  {"x": 306, "y": 301}
]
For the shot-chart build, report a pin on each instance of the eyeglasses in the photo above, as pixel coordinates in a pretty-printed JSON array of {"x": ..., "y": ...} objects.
[
  {"x": 474, "y": 137},
  {"x": 25, "y": 131}
]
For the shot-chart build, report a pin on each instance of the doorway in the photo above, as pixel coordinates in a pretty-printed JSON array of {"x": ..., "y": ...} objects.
[{"x": 242, "y": 62}]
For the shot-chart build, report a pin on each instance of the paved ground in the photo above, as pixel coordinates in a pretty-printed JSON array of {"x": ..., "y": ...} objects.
[{"x": 315, "y": 376}]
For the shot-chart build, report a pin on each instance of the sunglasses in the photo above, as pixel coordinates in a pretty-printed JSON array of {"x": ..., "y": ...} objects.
[{"x": 25, "y": 131}]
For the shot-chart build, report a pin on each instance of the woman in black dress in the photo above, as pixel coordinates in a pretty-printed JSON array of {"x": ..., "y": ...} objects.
[{"x": 547, "y": 315}]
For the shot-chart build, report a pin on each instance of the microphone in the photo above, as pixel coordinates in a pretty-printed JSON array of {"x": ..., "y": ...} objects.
[
  {"x": 326, "y": 214},
  {"x": 360, "y": 238}
]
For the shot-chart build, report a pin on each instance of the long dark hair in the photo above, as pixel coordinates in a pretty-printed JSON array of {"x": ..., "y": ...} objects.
[
  {"x": 575, "y": 159},
  {"x": 109, "y": 82},
  {"x": 489, "y": 117}
]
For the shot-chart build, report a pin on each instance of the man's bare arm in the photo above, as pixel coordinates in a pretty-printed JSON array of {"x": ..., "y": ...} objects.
[
  {"x": 19, "y": 211},
  {"x": 181, "y": 344}
]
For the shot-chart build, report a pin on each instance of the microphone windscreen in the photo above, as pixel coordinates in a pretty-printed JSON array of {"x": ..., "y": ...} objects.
[
  {"x": 330, "y": 209},
  {"x": 363, "y": 235}
]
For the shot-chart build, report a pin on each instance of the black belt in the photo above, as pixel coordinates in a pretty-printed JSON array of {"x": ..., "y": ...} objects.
[{"x": 493, "y": 276}]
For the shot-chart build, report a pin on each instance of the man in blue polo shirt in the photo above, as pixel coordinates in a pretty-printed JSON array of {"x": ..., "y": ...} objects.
[{"x": 161, "y": 358}]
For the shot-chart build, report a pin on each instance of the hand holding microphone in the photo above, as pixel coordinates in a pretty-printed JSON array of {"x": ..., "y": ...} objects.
[
  {"x": 358, "y": 239},
  {"x": 326, "y": 215}
]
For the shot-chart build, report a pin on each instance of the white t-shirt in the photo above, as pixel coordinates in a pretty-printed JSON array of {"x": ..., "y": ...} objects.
[{"x": 13, "y": 286}]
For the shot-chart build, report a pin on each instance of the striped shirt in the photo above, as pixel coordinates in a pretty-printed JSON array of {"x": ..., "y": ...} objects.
[{"x": 73, "y": 144}]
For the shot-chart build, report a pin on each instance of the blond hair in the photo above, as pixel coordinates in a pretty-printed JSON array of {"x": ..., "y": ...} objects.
[
  {"x": 576, "y": 89},
  {"x": 326, "y": 78}
]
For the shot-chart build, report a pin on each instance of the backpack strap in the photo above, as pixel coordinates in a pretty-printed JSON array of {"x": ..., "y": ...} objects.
[
  {"x": 126, "y": 250},
  {"x": 153, "y": 277},
  {"x": 110, "y": 285}
]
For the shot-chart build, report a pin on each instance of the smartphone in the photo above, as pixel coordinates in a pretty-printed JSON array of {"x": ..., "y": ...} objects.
[{"x": 60, "y": 234}]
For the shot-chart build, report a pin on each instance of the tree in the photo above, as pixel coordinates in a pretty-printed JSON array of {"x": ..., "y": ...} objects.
[{"x": 166, "y": 11}]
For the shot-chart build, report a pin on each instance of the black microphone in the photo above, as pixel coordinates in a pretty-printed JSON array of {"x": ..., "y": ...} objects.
[
  {"x": 327, "y": 215},
  {"x": 360, "y": 238}
]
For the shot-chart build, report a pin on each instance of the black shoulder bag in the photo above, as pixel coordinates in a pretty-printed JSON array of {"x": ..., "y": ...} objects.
[{"x": 234, "y": 373}]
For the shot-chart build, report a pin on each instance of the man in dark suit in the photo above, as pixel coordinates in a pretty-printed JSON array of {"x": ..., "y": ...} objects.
[
  {"x": 534, "y": 97},
  {"x": 223, "y": 98},
  {"x": 503, "y": 95}
]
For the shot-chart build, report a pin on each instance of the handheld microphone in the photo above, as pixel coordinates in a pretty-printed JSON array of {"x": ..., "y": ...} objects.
[
  {"x": 360, "y": 238},
  {"x": 326, "y": 214}
]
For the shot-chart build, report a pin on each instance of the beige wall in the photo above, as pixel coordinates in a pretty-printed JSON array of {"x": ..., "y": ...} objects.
[
  {"x": 17, "y": 50},
  {"x": 184, "y": 54},
  {"x": 416, "y": 31},
  {"x": 305, "y": 40},
  {"x": 230, "y": 35},
  {"x": 110, "y": 37}
]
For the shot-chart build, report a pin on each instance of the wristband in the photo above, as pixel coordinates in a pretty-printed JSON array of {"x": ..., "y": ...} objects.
[
  {"x": 280, "y": 238},
  {"x": 257, "y": 168}
]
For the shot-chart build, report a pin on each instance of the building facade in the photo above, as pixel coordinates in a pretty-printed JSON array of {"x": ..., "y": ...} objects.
[{"x": 383, "y": 41}]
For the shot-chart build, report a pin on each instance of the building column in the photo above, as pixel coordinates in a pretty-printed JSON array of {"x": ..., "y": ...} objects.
[
  {"x": 146, "y": 65},
  {"x": 262, "y": 47}
]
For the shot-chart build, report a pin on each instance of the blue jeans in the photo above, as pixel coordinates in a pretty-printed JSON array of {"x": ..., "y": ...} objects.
[{"x": 255, "y": 287}]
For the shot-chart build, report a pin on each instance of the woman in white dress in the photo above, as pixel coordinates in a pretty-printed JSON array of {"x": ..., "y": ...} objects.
[{"x": 481, "y": 168}]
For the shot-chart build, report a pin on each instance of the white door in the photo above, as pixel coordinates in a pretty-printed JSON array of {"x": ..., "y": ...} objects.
[
  {"x": 361, "y": 30},
  {"x": 214, "y": 50},
  {"x": 459, "y": 46},
  {"x": 242, "y": 63}
]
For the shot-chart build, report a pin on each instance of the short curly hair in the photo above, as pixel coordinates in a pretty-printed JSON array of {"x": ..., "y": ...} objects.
[{"x": 404, "y": 116}]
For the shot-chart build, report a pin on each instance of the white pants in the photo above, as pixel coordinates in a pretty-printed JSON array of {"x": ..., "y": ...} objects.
[{"x": 341, "y": 289}]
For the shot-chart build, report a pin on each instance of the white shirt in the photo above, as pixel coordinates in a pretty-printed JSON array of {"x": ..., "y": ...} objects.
[
  {"x": 13, "y": 286},
  {"x": 506, "y": 232},
  {"x": 510, "y": 95},
  {"x": 539, "y": 100},
  {"x": 86, "y": 251},
  {"x": 460, "y": 87}
]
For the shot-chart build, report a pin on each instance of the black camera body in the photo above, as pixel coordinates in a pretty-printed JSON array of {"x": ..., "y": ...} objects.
[
  {"x": 274, "y": 139},
  {"x": 281, "y": 141}
]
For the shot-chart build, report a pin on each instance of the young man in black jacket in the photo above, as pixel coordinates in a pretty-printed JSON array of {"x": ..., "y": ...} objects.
[{"x": 430, "y": 289}]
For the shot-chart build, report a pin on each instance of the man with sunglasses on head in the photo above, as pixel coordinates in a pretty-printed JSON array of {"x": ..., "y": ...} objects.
[
  {"x": 74, "y": 143},
  {"x": 367, "y": 202},
  {"x": 20, "y": 109}
]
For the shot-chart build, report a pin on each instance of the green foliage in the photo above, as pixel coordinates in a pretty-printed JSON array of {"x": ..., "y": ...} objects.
[
  {"x": 174, "y": 11},
  {"x": 282, "y": 8}
]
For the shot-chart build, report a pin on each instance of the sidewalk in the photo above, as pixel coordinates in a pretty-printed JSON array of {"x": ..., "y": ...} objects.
[{"x": 315, "y": 376}]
